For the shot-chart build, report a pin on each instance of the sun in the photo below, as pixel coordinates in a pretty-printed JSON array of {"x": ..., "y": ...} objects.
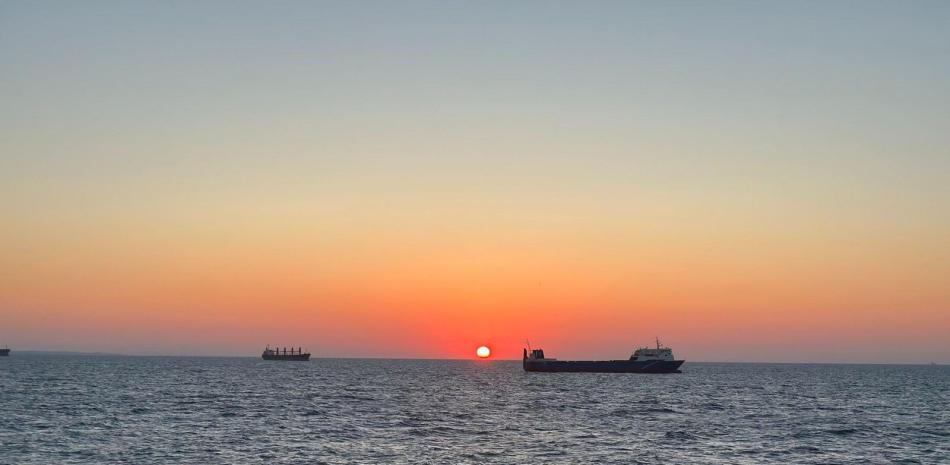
[{"x": 483, "y": 352}]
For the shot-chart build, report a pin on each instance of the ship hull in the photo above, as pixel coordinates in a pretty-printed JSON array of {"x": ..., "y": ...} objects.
[
  {"x": 287, "y": 357},
  {"x": 604, "y": 366},
  {"x": 4, "y": 352}
]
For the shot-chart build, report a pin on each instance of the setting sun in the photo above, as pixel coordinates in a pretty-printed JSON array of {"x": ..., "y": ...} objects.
[{"x": 483, "y": 352}]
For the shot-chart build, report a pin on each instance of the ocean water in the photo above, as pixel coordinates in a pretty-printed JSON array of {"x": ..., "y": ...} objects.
[{"x": 64, "y": 409}]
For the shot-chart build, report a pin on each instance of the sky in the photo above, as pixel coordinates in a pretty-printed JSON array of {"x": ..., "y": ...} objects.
[{"x": 747, "y": 181}]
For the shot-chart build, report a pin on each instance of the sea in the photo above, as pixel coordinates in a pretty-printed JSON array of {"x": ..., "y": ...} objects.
[{"x": 71, "y": 409}]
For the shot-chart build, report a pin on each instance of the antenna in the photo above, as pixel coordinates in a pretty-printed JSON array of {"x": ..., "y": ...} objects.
[{"x": 529, "y": 344}]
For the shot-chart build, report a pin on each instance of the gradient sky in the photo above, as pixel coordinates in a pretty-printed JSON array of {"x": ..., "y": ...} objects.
[{"x": 749, "y": 181}]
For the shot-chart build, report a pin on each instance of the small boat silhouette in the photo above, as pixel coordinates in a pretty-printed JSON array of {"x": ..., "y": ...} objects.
[
  {"x": 276, "y": 353},
  {"x": 643, "y": 360}
]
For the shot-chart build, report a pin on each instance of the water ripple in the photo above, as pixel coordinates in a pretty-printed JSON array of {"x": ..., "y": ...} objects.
[{"x": 166, "y": 410}]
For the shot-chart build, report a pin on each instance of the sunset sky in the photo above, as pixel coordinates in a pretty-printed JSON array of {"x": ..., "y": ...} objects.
[{"x": 749, "y": 181}]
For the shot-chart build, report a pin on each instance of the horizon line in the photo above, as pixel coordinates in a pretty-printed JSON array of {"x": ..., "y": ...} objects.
[{"x": 117, "y": 354}]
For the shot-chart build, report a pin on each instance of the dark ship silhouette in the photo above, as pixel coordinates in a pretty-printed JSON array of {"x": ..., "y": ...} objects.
[
  {"x": 5, "y": 351},
  {"x": 643, "y": 360},
  {"x": 278, "y": 354}
]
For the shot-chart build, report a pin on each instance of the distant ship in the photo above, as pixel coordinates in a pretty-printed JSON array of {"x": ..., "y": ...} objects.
[
  {"x": 278, "y": 354},
  {"x": 643, "y": 360},
  {"x": 5, "y": 351}
]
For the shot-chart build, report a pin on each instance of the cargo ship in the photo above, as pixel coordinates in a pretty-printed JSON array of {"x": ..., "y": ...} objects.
[
  {"x": 276, "y": 353},
  {"x": 643, "y": 360},
  {"x": 5, "y": 351}
]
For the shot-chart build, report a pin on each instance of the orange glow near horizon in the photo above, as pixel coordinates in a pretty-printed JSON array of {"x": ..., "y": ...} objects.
[
  {"x": 430, "y": 297},
  {"x": 571, "y": 290}
]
